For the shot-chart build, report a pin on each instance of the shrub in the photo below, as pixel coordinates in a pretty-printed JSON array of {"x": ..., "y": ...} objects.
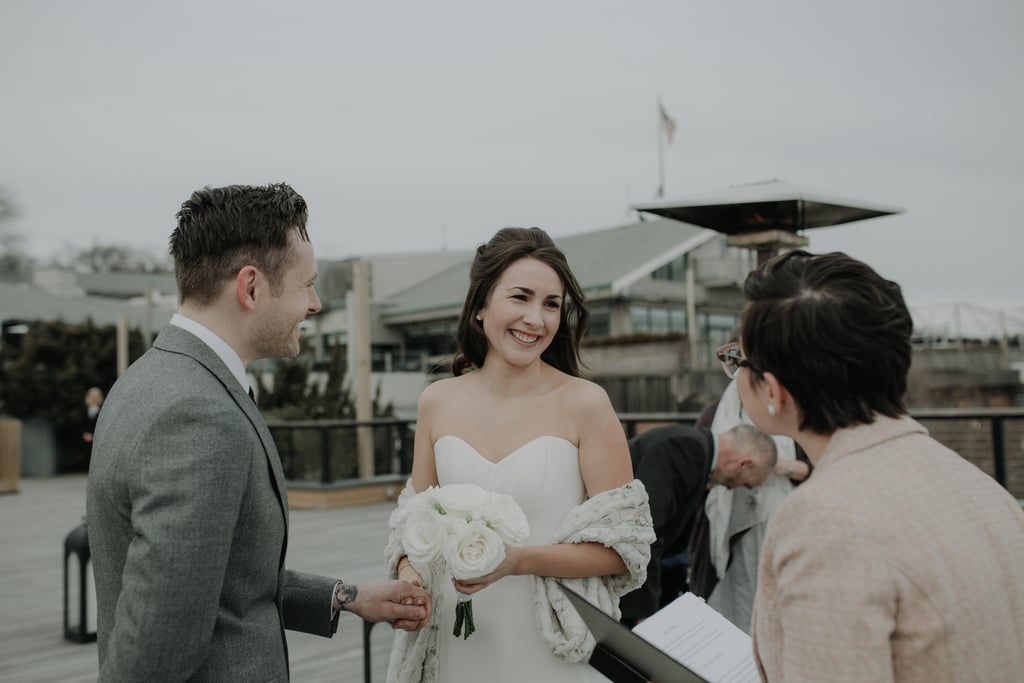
[{"x": 46, "y": 371}]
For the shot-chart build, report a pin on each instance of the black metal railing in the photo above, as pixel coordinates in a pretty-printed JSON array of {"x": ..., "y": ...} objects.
[
  {"x": 991, "y": 438},
  {"x": 324, "y": 452}
]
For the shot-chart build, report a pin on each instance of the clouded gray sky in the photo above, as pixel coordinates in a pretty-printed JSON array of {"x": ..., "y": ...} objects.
[{"x": 413, "y": 125}]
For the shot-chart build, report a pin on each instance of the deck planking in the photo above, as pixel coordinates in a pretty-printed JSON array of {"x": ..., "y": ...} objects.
[{"x": 344, "y": 542}]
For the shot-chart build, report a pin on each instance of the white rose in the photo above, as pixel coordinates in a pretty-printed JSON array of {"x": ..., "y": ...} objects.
[
  {"x": 424, "y": 500},
  {"x": 508, "y": 520},
  {"x": 474, "y": 552},
  {"x": 462, "y": 500},
  {"x": 453, "y": 524},
  {"x": 424, "y": 536}
]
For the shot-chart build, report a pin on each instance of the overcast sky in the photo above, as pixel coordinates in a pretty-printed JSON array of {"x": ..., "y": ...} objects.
[{"x": 418, "y": 125}]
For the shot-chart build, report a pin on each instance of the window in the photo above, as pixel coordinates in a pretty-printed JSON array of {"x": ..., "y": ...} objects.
[
  {"x": 332, "y": 340},
  {"x": 718, "y": 328},
  {"x": 677, "y": 319},
  {"x": 673, "y": 271},
  {"x": 600, "y": 321},
  {"x": 433, "y": 339},
  {"x": 657, "y": 319}
]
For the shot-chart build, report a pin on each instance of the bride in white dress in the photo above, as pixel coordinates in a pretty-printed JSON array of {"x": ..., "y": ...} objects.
[{"x": 518, "y": 419}]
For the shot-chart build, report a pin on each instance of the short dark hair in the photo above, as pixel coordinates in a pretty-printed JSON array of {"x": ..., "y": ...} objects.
[
  {"x": 506, "y": 247},
  {"x": 221, "y": 230},
  {"x": 834, "y": 332}
]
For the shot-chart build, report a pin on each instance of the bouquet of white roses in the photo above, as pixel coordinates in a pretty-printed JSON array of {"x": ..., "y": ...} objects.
[{"x": 469, "y": 528}]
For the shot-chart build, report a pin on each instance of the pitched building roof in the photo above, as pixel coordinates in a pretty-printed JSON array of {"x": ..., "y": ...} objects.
[
  {"x": 607, "y": 260},
  {"x": 389, "y": 273},
  {"x": 126, "y": 285},
  {"x": 27, "y": 303}
]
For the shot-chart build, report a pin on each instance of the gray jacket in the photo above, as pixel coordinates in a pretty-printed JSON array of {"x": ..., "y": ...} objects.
[{"x": 187, "y": 516}]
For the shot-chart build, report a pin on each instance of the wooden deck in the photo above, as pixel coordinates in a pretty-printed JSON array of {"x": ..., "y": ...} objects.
[{"x": 347, "y": 542}]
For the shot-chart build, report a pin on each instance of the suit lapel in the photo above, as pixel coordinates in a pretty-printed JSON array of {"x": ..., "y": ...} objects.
[
  {"x": 176, "y": 340},
  {"x": 273, "y": 458}
]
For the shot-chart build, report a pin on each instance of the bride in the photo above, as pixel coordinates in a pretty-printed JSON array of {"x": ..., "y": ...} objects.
[{"x": 518, "y": 419}]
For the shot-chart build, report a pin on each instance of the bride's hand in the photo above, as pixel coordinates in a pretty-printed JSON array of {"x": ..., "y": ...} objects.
[
  {"x": 406, "y": 572},
  {"x": 507, "y": 567}
]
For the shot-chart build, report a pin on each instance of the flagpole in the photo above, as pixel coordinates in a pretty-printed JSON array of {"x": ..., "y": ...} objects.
[{"x": 661, "y": 149}]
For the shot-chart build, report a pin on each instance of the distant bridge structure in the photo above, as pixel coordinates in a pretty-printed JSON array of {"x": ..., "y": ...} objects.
[{"x": 960, "y": 321}]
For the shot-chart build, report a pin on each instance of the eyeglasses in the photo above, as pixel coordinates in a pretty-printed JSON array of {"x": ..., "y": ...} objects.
[{"x": 731, "y": 358}]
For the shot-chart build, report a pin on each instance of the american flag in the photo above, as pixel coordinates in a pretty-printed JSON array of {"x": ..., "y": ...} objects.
[{"x": 667, "y": 123}]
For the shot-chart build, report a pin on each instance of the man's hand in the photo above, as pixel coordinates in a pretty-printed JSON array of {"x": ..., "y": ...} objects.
[{"x": 404, "y": 605}]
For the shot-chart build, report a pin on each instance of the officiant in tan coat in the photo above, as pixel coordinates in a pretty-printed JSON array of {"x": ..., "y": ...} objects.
[{"x": 897, "y": 560}]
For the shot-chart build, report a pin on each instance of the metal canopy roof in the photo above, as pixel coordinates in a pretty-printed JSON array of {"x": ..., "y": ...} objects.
[{"x": 769, "y": 205}]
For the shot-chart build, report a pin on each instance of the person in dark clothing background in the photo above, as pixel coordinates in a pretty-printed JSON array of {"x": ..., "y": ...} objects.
[
  {"x": 701, "y": 573},
  {"x": 677, "y": 465},
  {"x": 90, "y": 413}
]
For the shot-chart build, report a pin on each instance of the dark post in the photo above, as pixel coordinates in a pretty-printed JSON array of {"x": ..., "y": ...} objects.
[
  {"x": 367, "y": 627},
  {"x": 405, "y": 444},
  {"x": 76, "y": 570},
  {"x": 998, "y": 450},
  {"x": 325, "y": 455}
]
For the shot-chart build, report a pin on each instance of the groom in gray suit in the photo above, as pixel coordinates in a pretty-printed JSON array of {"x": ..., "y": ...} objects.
[{"x": 187, "y": 507}]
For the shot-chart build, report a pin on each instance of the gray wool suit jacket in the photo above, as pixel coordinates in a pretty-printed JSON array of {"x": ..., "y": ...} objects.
[{"x": 187, "y": 516}]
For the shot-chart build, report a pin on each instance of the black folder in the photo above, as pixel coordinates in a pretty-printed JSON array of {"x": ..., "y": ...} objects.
[{"x": 623, "y": 656}]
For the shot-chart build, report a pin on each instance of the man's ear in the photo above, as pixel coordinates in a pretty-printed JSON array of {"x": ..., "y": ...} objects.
[{"x": 245, "y": 287}]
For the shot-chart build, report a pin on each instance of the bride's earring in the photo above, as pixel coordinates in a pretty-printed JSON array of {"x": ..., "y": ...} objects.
[
  {"x": 771, "y": 410},
  {"x": 479, "y": 319}
]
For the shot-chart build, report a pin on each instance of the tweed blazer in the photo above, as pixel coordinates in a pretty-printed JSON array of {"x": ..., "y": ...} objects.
[
  {"x": 897, "y": 561},
  {"x": 187, "y": 516}
]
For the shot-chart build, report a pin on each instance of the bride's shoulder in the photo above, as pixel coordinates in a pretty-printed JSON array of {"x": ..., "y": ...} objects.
[
  {"x": 585, "y": 395},
  {"x": 585, "y": 389},
  {"x": 442, "y": 389}
]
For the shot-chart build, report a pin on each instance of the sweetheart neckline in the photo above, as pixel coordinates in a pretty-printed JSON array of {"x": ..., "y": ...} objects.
[{"x": 509, "y": 454}]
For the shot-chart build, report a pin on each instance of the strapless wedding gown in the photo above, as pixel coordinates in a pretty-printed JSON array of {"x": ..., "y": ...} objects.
[{"x": 543, "y": 476}]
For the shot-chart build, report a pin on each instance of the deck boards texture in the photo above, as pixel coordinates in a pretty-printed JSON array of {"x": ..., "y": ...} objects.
[{"x": 345, "y": 542}]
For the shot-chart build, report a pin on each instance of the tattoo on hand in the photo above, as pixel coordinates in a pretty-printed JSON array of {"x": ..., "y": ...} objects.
[{"x": 344, "y": 594}]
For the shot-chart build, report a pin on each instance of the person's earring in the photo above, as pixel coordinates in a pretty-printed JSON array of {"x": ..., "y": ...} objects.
[
  {"x": 771, "y": 410},
  {"x": 479, "y": 318}
]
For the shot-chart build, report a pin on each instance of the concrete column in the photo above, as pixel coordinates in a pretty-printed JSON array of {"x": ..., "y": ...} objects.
[{"x": 359, "y": 366}]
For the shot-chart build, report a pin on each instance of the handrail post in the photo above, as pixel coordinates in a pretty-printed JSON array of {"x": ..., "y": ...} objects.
[
  {"x": 325, "y": 455},
  {"x": 405, "y": 462},
  {"x": 367, "y": 627},
  {"x": 999, "y": 450}
]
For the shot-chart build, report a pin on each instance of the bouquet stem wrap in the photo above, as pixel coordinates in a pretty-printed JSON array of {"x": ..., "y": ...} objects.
[{"x": 464, "y": 625}]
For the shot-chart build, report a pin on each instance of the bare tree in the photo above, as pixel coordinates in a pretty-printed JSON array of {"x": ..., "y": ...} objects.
[
  {"x": 118, "y": 258},
  {"x": 15, "y": 262},
  {"x": 6, "y": 208}
]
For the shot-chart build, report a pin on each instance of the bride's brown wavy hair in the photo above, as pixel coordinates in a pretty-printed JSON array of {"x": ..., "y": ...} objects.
[{"x": 506, "y": 247}]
